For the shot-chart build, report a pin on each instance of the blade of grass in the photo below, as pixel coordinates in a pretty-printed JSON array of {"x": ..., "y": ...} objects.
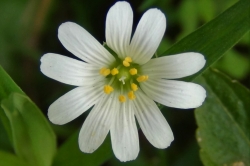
[{"x": 216, "y": 37}]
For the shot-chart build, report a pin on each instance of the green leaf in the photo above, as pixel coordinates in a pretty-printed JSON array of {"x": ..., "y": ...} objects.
[
  {"x": 217, "y": 36},
  {"x": 5, "y": 143},
  {"x": 8, "y": 159},
  {"x": 224, "y": 121},
  {"x": 33, "y": 138},
  {"x": 7, "y": 86},
  {"x": 69, "y": 153},
  {"x": 206, "y": 159}
]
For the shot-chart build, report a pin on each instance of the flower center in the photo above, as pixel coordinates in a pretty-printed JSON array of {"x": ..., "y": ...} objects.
[{"x": 123, "y": 78}]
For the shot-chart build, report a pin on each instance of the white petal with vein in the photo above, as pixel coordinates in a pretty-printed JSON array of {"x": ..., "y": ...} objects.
[
  {"x": 147, "y": 36},
  {"x": 177, "y": 94},
  {"x": 118, "y": 28},
  {"x": 98, "y": 123},
  {"x": 74, "y": 103},
  {"x": 174, "y": 66},
  {"x": 83, "y": 45},
  {"x": 152, "y": 122},
  {"x": 124, "y": 134},
  {"x": 69, "y": 71}
]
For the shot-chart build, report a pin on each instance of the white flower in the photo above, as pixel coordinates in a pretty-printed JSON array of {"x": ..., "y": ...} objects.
[{"x": 121, "y": 86}]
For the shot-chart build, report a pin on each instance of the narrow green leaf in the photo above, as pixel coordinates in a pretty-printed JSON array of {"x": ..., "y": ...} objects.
[
  {"x": 69, "y": 153},
  {"x": 224, "y": 121},
  {"x": 33, "y": 138},
  {"x": 8, "y": 159},
  {"x": 217, "y": 36}
]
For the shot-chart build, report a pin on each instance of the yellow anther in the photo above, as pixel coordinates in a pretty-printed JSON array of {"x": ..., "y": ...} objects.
[
  {"x": 142, "y": 78},
  {"x": 128, "y": 59},
  {"x": 133, "y": 71},
  {"x": 126, "y": 63},
  {"x": 131, "y": 95},
  {"x": 134, "y": 87},
  {"x": 114, "y": 71},
  {"x": 108, "y": 89},
  {"x": 122, "y": 98},
  {"x": 104, "y": 71}
]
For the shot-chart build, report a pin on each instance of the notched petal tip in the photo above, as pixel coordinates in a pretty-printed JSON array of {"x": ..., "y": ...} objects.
[
  {"x": 175, "y": 66},
  {"x": 125, "y": 160},
  {"x": 166, "y": 142},
  {"x": 157, "y": 13},
  {"x": 196, "y": 58},
  {"x": 199, "y": 96},
  {"x": 200, "y": 57},
  {"x": 66, "y": 25},
  {"x": 54, "y": 118},
  {"x": 148, "y": 35},
  {"x": 119, "y": 22},
  {"x": 63, "y": 27},
  {"x": 46, "y": 57},
  {"x": 121, "y": 3},
  {"x": 202, "y": 95},
  {"x": 84, "y": 148}
]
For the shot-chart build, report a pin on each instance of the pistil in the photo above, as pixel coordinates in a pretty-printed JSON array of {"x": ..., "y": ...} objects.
[{"x": 122, "y": 79}]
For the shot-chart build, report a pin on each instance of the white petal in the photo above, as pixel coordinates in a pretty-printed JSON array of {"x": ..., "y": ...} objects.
[
  {"x": 124, "y": 134},
  {"x": 177, "y": 94},
  {"x": 148, "y": 35},
  {"x": 69, "y": 71},
  {"x": 83, "y": 45},
  {"x": 74, "y": 103},
  {"x": 98, "y": 123},
  {"x": 174, "y": 66},
  {"x": 118, "y": 28},
  {"x": 152, "y": 122}
]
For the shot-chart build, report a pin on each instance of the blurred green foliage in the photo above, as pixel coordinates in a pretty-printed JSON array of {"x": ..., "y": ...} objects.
[
  {"x": 28, "y": 29},
  {"x": 32, "y": 135}
]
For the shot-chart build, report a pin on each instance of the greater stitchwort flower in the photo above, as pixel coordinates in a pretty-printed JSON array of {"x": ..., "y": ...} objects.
[{"x": 121, "y": 83}]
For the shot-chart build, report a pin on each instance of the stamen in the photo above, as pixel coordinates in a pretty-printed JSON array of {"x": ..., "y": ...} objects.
[
  {"x": 122, "y": 98},
  {"x": 122, "y": 79},
  {"x": 128, "y": 59},
  {"x": 114, "y": 71},
  {"x": 104, "y": 71},
  {"x": 133, "y": 71},
  {"x": 134, "y": 87},
  {"x": 131, "y": 95},
  {"x": 126, "y": 63},
  {"x": 142, "y": 78},
  {"x": 108, "y": 89}
]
